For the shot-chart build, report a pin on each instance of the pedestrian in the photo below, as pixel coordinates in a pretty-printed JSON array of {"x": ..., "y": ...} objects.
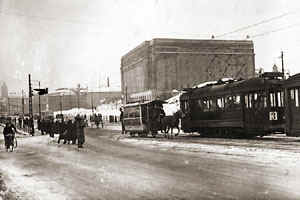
[
  {"x": 80, "y": 131},
  {"x": 61, "y": 131},
  {"x": 69, "y": 129},
  {"x": 122, "y": 120},
  {"x": 73, "y": 132},
  {"x": 20, "y": 122},
  {"x": 51, "y": 127},
  {"x": 9, "y": 134},
  {"x": 42, "y": 126}
]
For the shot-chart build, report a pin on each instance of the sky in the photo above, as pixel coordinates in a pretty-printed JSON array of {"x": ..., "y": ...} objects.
[{"x": 66, "y": 42}]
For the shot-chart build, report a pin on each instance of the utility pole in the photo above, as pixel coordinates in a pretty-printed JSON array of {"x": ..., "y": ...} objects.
[
  {"x": 282, "y": 65},
  {"x": 60, "y": 104},
  {"x": 92, "y": 100},
  {"x": 8, "y": 105},
  {"x": 22, "y": 102},
  {"x": 126, "y": 95},
  {"x": 78, "y": 95},
  {"x": 40, "y": 101},
  {"x": 30, "y": 106}
]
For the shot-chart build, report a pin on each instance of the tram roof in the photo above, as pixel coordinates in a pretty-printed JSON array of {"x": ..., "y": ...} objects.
[
  {"x": 253, "y": 84},
  {"x": 293, "y": 81},
  {"x": 145, "y": 102}
]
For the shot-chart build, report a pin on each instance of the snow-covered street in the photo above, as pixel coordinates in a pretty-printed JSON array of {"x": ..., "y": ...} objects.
[{"x": 114, "y": 166}]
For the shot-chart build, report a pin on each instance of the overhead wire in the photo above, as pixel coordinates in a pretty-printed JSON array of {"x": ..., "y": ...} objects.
[
  {"x": 275, "y": 30},
  {"x": 258, "y": 23}
]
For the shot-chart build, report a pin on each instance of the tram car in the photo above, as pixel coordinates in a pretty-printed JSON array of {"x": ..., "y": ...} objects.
[
  {"x": 235, "y": 108},
  {"x": 143, "y": 118},
  {"x": 292, "y": 112}
]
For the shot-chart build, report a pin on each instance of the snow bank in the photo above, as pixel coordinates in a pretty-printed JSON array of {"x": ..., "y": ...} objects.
[{"x": 111, "y": 109}]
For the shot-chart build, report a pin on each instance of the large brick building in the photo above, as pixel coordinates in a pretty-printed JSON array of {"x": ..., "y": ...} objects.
[{"x": 154, "y": 68}]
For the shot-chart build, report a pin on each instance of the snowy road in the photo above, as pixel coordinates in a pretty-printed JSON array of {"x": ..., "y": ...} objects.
[{"x": 116, "y": 167}]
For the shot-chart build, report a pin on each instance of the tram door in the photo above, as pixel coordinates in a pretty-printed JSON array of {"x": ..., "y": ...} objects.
[
  {"x": 293, "y": 112},
  {"x": 255, "y": 111}
]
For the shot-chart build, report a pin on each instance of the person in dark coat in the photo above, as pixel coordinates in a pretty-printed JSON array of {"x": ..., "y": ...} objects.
[
  {"x": 50, "y": 128},
  {"x": 122, "y": 120},
  {"x": 42, "y": 126},
  {"x": 9, "y": 134},
  {"x": 20, "y": 122},
  {"x": 69, "y": 129},
  {"x": 73, "y": 132},
  {"x": 61, "y": 131},
  {"x": 80, "y": 131}
]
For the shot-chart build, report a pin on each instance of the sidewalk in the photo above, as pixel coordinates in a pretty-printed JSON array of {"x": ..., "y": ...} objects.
[
  {"x": 113, "y": 126},
  {"x": 110, "y": 126}
]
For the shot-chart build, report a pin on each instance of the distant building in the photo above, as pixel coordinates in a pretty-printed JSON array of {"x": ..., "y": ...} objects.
[
  {"x": 155, "y": 68},
  {"x": 4, "y": 90},
  {"x": 68, "y": 98}
]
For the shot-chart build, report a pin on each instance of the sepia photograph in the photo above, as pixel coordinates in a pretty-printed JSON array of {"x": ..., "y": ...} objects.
[{"x": 149, "y": 100}]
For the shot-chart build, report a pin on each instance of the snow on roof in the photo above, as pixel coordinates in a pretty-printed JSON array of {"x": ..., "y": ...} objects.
[{"x": 212, "y": 82}]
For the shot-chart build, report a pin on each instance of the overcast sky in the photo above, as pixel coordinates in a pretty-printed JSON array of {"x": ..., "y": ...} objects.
[{"x": 66, "y": 42}]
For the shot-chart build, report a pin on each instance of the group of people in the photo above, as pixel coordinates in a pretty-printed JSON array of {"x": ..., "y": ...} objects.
[
  {"x": 70, "y": 131},
  {"x": 97, "y": 119},
  {"x": 24, "y": 123}
]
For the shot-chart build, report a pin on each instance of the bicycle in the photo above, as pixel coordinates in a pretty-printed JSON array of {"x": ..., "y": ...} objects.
[{"x": 12, "y": 142}]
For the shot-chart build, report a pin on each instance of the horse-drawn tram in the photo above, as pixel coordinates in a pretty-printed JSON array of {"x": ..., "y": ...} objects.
[
  {"x": 235, "y": 108},
  {"x": 143, "y": 118},
  {"x": 292, "y": 88}
]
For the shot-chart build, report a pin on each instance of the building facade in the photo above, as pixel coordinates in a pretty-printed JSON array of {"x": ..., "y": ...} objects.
[
  {"x": 155, "y": 68},
  {"x": 4, "y": 90}
]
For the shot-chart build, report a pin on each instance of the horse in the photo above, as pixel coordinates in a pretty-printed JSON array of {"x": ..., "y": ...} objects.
[{"x": 170, "y": 122}]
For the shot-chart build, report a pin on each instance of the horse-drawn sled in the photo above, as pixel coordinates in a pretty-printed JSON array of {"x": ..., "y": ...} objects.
[{"x": 147, "y": 117}]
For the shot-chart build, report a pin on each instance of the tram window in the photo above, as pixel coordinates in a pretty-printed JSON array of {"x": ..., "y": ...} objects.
[
  {"x": 237, "y": 99},
  {"x": 246, "y": 101},
  {"x": 200, "y": 104},
  {"x": 280, "y": 99},
  {"x": 212, "y": 106},
  {"x": 186, "y": 106},
  {"x": 296, "y": 98},
  {"x": 256, "y": 99},
  {"x": 265, "y": 102},
  {"x": 220, "y": 103},
  {"x": 206, "y": 105},
  {"x": 250, "y": 100},
  {"x": 272, "y": 99},
  {"x": 255, "y": 96},
  {"x": 292, "y": 94}
]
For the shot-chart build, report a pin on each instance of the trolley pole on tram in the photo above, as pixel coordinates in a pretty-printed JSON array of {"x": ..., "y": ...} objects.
[{"x": 282, "y": 65}]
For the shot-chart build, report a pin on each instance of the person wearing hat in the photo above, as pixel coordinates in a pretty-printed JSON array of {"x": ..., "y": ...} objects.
[
  {"x": 122, "y": 120},
  {"x": 9, "y": 134},
  {"x": 80, "y": 131}
]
